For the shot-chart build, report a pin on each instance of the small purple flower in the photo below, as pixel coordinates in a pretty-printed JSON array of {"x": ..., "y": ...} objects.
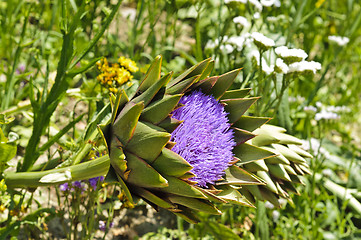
[
  {"x": 94, "y": 181},
  {"x": 80, "y": 185},
  {"x": 204, "y": 138},
  {"x": 64, "y": 187},
  {"x": 103, "y": 225}
]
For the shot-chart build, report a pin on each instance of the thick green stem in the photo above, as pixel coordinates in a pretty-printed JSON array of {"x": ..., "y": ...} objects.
[{"x": 86, "y": 170}]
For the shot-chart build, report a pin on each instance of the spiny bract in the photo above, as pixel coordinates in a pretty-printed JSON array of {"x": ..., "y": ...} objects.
[{"x": 139, "y": 142}]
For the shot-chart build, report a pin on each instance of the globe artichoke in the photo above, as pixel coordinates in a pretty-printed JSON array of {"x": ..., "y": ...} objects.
[{"x": 155, "y": 157}]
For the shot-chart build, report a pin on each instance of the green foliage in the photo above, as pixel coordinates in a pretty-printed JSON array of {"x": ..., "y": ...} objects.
[{"x": 52, "y": 107}]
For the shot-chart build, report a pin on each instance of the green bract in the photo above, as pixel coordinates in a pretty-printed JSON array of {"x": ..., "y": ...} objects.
[{"x": 138, "y": 140}]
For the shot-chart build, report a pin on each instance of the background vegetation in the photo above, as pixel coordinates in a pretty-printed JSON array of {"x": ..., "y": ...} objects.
[{"x": 51, "y": 97}]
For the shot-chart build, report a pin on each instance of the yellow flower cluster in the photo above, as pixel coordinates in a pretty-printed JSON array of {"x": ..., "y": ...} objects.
[{"x": 112, "y": 76}]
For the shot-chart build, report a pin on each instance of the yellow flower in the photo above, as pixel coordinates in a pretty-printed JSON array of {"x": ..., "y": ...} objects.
[
  {"x": 128, "y": 64},
  {"x": 113, "y": 76}
]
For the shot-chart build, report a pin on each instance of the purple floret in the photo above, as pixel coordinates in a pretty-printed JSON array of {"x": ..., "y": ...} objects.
[
  {"x": 64, "y": 187},
  {"x": 94, "y": 181},
  {"x": 204, "y": 139}
]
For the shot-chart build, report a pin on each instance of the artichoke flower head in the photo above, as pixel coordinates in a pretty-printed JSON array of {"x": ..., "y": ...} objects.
[{"x": 183, "y": 144}]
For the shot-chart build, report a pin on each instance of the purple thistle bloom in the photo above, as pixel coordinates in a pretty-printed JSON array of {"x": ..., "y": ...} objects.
[{"x": 204, "y": 139}]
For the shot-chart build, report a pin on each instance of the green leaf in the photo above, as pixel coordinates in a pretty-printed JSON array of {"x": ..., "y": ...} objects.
[
  {"x": 248, "y": 153},
  {"x": 208, "y": 70},
  {"x": 126, "y": 121},
  {"x": 148, "y": 141},
  {"x": 171, "y": 164},
  {"x": 116, "y": 155},
  {"x": 118, "y": 104},
  {"x": 232, "y": 195},
  {"x": 255, "y": 166},
  {"x": 267, "y": 178},
  {"x": 197, "y": 69},
  {"x": 151, "y": 197},
  {"x": 195, "y": 204},
  {"x": 75, "y": 71},
  {"x": 160, "y": 109},
  {"x": 220, "y": 231},
  {"x": 187, "y": 215},
  {"x": 240, "y": 136},
  {"x": 150, "y": 92},
  {"x": 169, "y": 124},
  {"x": 279, "y": 171},
  {"x": 250, "y": 123},
  {"x": 182, "y": 86},
  {"x": 182, "y": 188},
  {"x": 152, "y": 75},
  {"x": 205, "y": 85},
  {"x": 288, "y": 153},
  {"x": 237, "y": 107},
  {"x": 237, "y": 93},
  {"x": 7, "y": 152},
  {"x": 238, "y": 176},
  {"x": 223, "y": 83},
  {"x": 140, "y": 173}
]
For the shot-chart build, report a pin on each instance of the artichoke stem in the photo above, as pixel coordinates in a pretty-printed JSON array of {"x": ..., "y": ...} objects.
[{"x": 82, "y": 171}]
